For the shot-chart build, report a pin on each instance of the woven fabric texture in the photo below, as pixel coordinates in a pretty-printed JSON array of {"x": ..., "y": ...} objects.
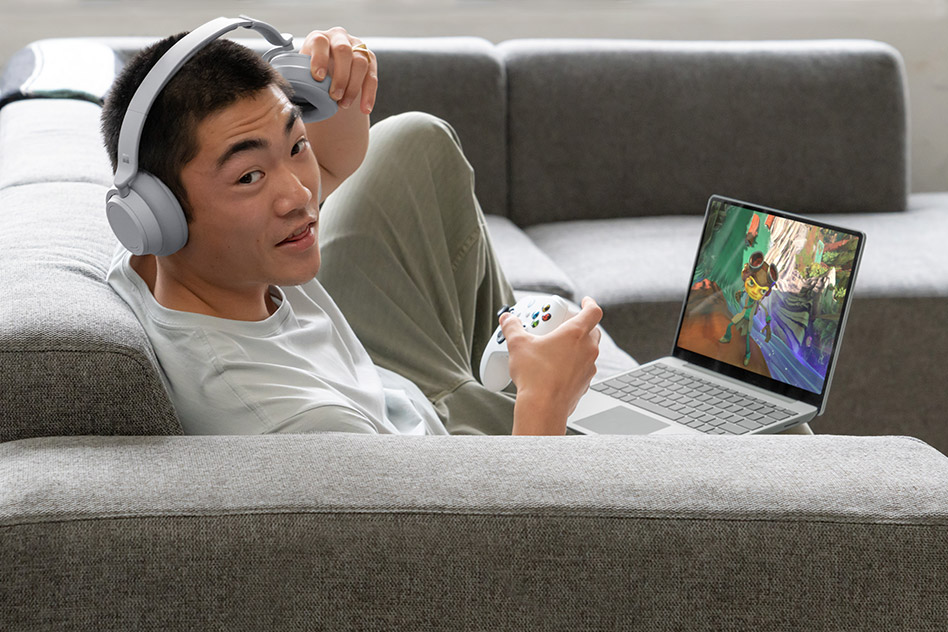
[
  {"x": 645, "y": 128},
  {"x": 342, "y": 532}
]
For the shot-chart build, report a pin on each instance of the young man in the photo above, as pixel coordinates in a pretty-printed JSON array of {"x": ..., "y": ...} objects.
[{"x": 248, "y": 340}]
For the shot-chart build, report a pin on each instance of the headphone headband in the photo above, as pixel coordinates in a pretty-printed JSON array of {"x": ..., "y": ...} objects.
[
  {"x": 134, "y": 121},
  {"x": 144, "y": 214}
]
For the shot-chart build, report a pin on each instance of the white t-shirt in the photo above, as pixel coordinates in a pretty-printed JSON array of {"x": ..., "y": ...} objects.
[{"x": 302, "y": 369}]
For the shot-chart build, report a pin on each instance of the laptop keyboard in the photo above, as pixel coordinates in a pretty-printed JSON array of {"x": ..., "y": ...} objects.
[{"x": 692, "y": 401}]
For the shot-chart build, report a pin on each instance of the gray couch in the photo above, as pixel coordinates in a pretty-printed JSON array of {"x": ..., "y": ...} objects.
[{"x": 594, "y": 160}]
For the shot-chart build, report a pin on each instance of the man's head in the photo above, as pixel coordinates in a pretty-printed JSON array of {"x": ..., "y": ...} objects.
[
  {"x": 216, "y": 76},
  {"x": 225, "y": 137}
]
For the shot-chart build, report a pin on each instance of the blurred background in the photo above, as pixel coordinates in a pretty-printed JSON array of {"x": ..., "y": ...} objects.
[{"x": 917, "y": 28}]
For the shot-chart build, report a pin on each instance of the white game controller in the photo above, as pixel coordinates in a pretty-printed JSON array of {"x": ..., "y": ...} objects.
[{"x": 540, "y": 315}]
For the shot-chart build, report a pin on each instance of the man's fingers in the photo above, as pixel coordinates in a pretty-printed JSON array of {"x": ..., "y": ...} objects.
[
  {"x": 370, "y": 85},
  {"x": 342, "y": 63},
  {"x": 510, "y": 325},
  {"x": 589, "y": 316},
  {"x": 317, "y": 47}
]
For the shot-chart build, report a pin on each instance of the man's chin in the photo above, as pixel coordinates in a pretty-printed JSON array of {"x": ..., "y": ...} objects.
[{"x": 298, "y": 278}]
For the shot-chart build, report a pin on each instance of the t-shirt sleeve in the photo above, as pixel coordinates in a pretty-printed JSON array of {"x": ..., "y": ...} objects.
[{"x": 326, "y": 419}]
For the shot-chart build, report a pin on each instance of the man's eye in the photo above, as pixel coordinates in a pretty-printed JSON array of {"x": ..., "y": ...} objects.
[
  {"x": 299, "y": 146},
  {"x": 250, "y": 178},
  {"x": 751, "y": 282}
]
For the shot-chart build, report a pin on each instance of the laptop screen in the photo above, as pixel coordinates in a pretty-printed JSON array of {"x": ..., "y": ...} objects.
[{"x": 768, "y": 297}]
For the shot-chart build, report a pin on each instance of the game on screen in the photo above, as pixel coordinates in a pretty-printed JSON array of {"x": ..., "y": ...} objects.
[{"x": 767, "y": 294}]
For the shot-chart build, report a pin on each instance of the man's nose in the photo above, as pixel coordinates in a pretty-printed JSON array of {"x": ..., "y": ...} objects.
[{"x": 292, "y": 193}]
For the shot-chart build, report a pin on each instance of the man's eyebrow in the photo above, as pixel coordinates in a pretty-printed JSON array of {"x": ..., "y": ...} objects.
[
  {"x": 243, "y": 145},
  {"x": 249, "y": 144},
  {"x": 295, "y": 114}
]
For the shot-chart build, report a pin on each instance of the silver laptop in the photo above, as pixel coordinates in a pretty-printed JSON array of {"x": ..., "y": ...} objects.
[{"x": 758, "y": 336}]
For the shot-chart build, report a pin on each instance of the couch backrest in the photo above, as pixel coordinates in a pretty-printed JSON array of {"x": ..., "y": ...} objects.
[{"x": 604, "y": 128}]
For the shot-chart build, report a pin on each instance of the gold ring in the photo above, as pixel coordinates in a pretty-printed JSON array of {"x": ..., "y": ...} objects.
[{"x": 362, "y": 48}]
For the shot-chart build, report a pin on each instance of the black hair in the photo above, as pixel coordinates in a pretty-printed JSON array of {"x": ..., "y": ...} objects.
[{"x": 216, "y": 76}]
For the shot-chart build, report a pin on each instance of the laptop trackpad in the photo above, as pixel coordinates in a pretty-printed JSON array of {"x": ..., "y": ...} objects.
[{"x": 621, "y": 420}]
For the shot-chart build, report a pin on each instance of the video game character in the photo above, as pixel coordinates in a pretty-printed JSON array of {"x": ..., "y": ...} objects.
[{"x": 759, "y": 279}]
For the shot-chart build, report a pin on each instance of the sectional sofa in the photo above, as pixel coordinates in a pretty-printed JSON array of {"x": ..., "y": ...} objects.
[{"x": 594, "y": 160}]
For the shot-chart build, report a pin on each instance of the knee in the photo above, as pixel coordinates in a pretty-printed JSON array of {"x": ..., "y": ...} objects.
[{"x": 409, "y": 132}]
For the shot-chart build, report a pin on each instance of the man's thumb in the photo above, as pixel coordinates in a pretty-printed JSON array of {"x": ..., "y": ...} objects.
[{"x": 510, "y": 325}]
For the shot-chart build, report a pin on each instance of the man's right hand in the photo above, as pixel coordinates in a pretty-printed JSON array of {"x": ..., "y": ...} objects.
[{"x": 552, "y": 372}]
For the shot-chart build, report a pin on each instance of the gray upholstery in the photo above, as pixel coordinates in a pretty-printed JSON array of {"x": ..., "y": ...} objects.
[
  {"x": 595, "y": 187},
  {"x": 596, "y": 256},
  {"x": 525, "y": 264},
  {"x": 349, "y": 532},
  {"x": 74, "y": 358},
  {"x": 653, "y": 128}
]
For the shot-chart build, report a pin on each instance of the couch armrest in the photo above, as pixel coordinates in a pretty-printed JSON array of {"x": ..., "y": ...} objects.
[
  {"x": 73, "y": 357},
  {"x": 342, "y": 531}
]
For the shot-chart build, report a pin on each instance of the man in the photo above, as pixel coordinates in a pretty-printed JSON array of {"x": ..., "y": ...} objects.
[{"x": 247, "y": 340}]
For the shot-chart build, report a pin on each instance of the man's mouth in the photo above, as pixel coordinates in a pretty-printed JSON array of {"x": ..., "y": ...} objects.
[{"x": 299, "y": 234}]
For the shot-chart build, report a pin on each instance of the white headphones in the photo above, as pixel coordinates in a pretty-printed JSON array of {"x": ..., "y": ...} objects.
[{"x": 142, "y": 211}]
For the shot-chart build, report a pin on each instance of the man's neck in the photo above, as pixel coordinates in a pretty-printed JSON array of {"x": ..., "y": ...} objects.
[{"x": 192, "y": 294}]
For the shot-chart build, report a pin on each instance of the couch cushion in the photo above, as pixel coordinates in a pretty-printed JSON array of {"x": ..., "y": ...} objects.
[
  {"x": 613, "y": 128},
  {"x": 73, "y": 359},
  {"x": 495, "y": 533},
  {"x": 525, "y": 265},
  {"x": 633, "y": 259},
  {"x": 647, "y": 259},
  {"x": 52, "y": 140}
]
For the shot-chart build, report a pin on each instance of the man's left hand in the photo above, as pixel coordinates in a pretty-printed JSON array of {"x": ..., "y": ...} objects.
[{"x": 354, "y": 70}]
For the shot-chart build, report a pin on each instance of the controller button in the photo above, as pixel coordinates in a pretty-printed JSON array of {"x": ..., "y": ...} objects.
[
  {"x": 500, "y": 337},
  {"x": 546, "y": 308},
  {"x": 503, "y": 310},
  {"x": 536, "y": 315},
  {"x": 535, "y": 323},
  {"x": 547, "y": 317}
]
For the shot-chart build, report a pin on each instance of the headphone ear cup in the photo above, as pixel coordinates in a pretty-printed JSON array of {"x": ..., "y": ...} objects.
[
  {"x": 312, "y": 96},
  {"x": 148, "y": 220}
]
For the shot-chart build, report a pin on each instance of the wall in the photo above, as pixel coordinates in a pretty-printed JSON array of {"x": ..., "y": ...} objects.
[{"x": 918, "y": 28}]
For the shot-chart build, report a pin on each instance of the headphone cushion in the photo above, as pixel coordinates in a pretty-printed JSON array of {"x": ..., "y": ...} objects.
[
  {"x": 148, "y": 219},
  {"x": 312, "y": 96}
]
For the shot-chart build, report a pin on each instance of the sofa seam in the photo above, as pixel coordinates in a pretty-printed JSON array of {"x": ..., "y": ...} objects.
[{"x": 495, "y": 514}]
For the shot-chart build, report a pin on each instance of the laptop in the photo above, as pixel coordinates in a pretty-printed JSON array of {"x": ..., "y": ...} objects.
[{"x": 758, "y": 336}]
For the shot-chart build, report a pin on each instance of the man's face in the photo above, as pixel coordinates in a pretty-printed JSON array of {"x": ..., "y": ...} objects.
[{"x": 253, "y": 188}]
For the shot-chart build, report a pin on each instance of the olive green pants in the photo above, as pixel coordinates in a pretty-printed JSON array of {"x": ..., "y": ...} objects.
[{"x": 407, "y": 257}]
